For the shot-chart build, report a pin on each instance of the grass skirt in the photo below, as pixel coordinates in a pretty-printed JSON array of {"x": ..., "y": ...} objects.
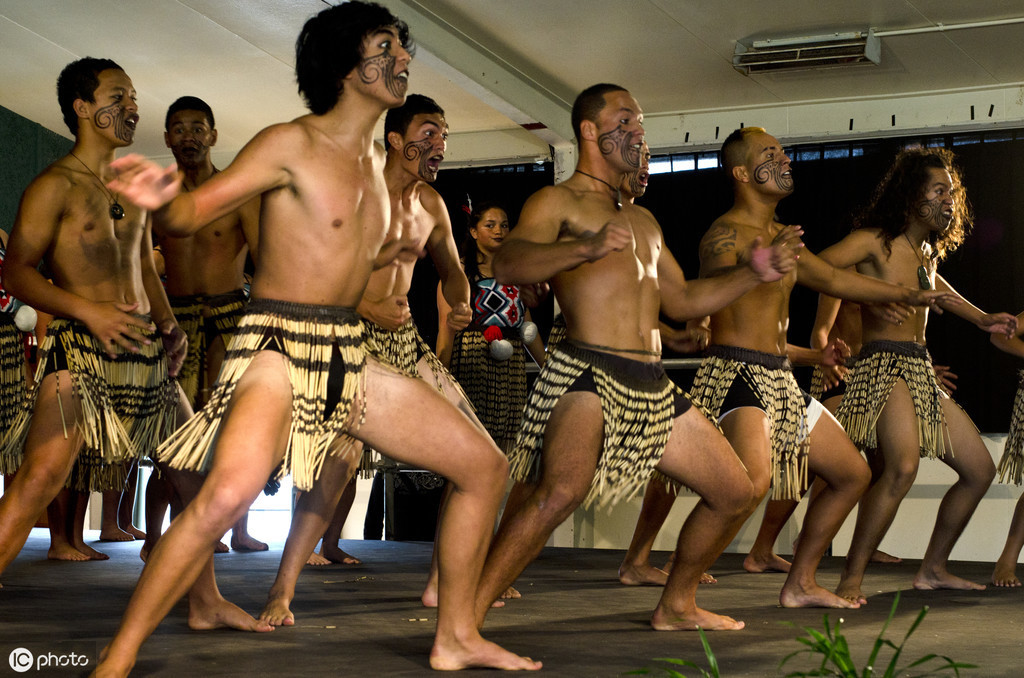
[{"x": 307, "y": 335}]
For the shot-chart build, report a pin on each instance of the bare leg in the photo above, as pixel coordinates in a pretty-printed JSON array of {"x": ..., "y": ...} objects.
[
  {"x": 80, "y": 502},
  {"x": 572, "y": 443},
  {"x": 900, "y": 454},
  {"x": 451, "y": 447},
  {"x": 49, "y": 457},
  {"x": 159, "y": 494},
  {"x": 309, "y": 520},
  {"x": 636, "y": 568},
  {"x": 125, "y": 517},
  {"x": 250, "y": 445},
  {"x": 700, "y": 458},
  {"x": 60, "y": 519},
  {"x": 1005, "y": 573},
  {"x": 762, "y": 556},
  {"x": 109, "y": 529},
  {"x": 973, "y": 464},
  {"x": 844, "y": 477},
  {"x": 329, "y": 549}
]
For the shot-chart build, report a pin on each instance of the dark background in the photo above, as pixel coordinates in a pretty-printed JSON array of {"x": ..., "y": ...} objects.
[{"x": 832, "y": 182}]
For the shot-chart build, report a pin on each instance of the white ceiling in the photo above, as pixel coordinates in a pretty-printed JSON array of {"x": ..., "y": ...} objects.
[{"x": 495, "y": 65}]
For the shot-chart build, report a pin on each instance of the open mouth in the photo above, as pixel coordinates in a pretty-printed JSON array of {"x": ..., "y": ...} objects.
[
  {"x": 131, "y": 121},
  {"x": 643, "y": 176},
  {"x": 434, "y": 162}
]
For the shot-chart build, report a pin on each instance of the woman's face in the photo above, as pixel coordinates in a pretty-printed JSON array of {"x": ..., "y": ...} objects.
[{"x": 490, "y": 230}]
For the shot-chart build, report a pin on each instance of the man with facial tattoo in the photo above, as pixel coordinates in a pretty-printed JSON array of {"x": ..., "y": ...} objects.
[
  {"x": 746, "y": 381},
  {"x": 603, "y": 414},
  {"x": 415, "y": 136},
  {"x": 297, "y": 386},
  {"x": 103, "y": 394},
  {"x": 205, "y": 279},
  {"x": 894, "y": 407}
]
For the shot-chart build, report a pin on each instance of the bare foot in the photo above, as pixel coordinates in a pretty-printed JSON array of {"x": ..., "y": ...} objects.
[
  {"x": 642, "y": 575},
  {"x": 336, "y": 555},
  {"x": 852, "y": 593},
  {"x": 663, "y": 620},
  {"x": 223, "y": 614},
  {"x": 511, "y": 593},
  {"x": 277, "y": 612},
  {"x": 108, "y": 668},
  {"x": 1005, "y": 575},
  {"x": 317, "y": 560},
  {"x": 944, "y": 580},
  {"x": 883, "y": 557},
  {"x": 453, "y": 655},
  {"x": 706, "y": 578},
  {"x": 135, "y": 532},
  {"x": 794, "y": 595},
  {"x": 91, "y": 553},
  {"x": 758, "y": 563},
  {"x": 247, "y": 543},
  {"x": 65, "y": 551},
  {"x": 220, "y": 547},
  {"x": 115, "y": 533}
]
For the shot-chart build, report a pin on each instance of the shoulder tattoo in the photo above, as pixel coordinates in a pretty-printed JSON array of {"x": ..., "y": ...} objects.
[{"x": 717, "y": 241}]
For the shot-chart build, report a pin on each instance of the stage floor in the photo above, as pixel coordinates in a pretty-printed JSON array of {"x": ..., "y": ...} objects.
[{"x": 574, "y": 616}]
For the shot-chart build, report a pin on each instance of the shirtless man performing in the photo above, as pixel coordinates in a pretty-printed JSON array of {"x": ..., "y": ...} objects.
[
  {"x": 416, "y": 138},
  {"x": 893, "y": 406},
  {"x": 296, "y": 377},
  {"x": 746, "y": 380},
  {"x": 103, "y": 395},
  {"x": 205, "y": 276},
  {"x": 603, "y": 409}
]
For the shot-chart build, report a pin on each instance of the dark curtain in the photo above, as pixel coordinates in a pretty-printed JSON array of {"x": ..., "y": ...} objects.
[{"x": 988, "y": 269}]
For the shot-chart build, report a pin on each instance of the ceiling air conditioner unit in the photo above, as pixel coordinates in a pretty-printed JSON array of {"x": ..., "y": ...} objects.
[{"x": 816, "y": 51}]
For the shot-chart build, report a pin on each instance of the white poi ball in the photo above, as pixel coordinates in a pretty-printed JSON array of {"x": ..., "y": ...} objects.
[
  {"x": 26, "y": 318},
  {"x": 501, "y": 349},
  {"x": 528, "y": 331}
]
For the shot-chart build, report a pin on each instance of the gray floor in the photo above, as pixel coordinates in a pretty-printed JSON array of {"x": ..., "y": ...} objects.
[{"x": 366, "y": 620}]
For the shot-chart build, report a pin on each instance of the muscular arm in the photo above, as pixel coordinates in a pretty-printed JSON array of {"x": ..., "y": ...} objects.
[
  {"x": 683, "y": 299},
  {"x": 259, "y": 167},
  {"x": 442, "y": 249},
  {"x": 533, "y": 254},
  {"x": 249, "y": 215}
]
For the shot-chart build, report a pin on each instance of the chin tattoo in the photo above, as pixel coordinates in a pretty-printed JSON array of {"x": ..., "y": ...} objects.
[
  {"x": 114, "y": 117},
  {"x": 618, "y": 139},
  {"x": 378, "y": 67},
  {"x": 772, "y": 170}
]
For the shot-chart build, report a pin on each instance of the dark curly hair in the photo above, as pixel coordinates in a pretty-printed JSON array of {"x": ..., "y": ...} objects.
[
  {"x": 79, "y": 80},
  {"x": 330, "y": 46},
  {"x": 894, "y": 200}
]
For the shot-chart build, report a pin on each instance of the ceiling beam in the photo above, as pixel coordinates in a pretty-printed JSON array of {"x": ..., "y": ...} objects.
[{"x": 486, "y": 75}]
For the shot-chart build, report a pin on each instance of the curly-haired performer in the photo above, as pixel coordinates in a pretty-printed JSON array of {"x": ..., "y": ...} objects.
[
  {"x": 893, "y": 405},
  {"x": 297, "y": 377}
]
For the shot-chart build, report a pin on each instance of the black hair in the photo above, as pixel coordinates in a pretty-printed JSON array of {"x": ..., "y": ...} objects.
[
  {"x": 79, "y": 80},
  {"x": 468, "y": 250},
  {"x": 330, "y": 46},
  {"x": 189, "y": 103},
  {"x": 399, "y": 119},
  {"x": 589, "y": 103}
]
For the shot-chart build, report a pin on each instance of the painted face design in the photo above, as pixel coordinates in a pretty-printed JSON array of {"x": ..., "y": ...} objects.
[
  {"x": 619, "y": 140},
  {"x": 420, "y": 150},
  {"x": 771, "y": 170},
  {"x": 117, "y": 117},
  {"x": 933, "y": 212},
  {"x": 636, "y": 181},
  {"x": 382, "y": 66}
]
